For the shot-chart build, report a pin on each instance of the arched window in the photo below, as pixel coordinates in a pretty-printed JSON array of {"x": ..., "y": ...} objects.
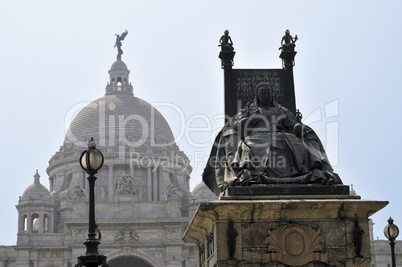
[
  {"x": 35, "y": 223},
  {"x": 172, "y": 179},
  {"x": 69, "y": 178},
  {"x": 119, "y": 84},
  {"x": 46, "y": 224},
  {"x": 24, "y": 223}
]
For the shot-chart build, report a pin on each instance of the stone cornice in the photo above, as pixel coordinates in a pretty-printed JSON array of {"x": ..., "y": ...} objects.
[
  {"x": 116, "y": 223},
  {"x": 264, "y": 210}
]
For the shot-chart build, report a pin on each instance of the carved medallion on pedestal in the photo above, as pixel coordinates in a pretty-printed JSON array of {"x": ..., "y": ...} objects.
[{"x": 295, "y": 245}]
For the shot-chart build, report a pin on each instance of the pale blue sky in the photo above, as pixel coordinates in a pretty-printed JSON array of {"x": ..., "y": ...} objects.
[{"x": 56, "y": 54}]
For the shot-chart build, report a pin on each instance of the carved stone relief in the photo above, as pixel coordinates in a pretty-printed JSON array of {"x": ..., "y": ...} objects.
[
  {"x": 210, "y": 244},
  {"x": 201, "y": 254},
  {"x": 174, "y": 234},
  {"x": 126, "y": 236},
  {"x": 295, "y": 245},
  {"x": 247, "y": 81},
  {"x": 172, "y": 193},
  {"x": 127, "y": 185},
  {"x": 77, "y": 193},
  {"x": 79, "y": 235},
  {"x": 102, "y": 190},
  {"x": 102, "y": 193}
]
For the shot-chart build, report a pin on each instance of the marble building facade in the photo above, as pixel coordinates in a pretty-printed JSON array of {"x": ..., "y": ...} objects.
[{"x": 143, "y": 199}]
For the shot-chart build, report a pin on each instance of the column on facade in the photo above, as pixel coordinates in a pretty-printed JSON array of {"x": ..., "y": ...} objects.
[
  {"x": 51, "y": 220},
  {"x": 111, "y": 183},
  {"x": 86, "y": 182},
  {"x": 29, "y": 222},
  {"x": 160, "y": 192},
  {"x": 41, "y": 222},
  {"x": 82, "y": 178},
  {"x": 76, "y": 176},
  {"x": 155, "y": 183},
  {"x": 131, "y": 170},
  {"x": 149, "y": 184},
  {"x": 51, "y": 183},
  {"x": 20, "y": 222}
]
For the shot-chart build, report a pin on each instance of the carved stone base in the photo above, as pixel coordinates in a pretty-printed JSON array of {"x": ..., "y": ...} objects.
[
  {"x": 282, "y": 232},
  {"x": 280, "y": 190}
]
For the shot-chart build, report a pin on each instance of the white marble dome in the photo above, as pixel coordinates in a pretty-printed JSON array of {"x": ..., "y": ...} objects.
[
  {"x": 119, "y": 65},
  {"x": 36, "y": 193},
  {"x": 120, "y": 117}
]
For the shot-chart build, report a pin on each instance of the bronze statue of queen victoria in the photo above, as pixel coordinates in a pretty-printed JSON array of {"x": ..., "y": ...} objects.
[{"x": 266, "y": 144}]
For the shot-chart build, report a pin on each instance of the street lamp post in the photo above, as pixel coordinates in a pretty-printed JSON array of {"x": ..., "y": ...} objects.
[
  {"x": 91, "y": 161},
  {"x": 391, "y": 231}
]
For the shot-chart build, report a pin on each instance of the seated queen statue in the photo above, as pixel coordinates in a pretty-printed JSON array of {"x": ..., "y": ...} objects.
[{"x": 265, "y": 144}]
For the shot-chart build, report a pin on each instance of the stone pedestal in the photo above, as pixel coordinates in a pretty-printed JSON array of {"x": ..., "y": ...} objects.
[{"x": 313, "y": 231}]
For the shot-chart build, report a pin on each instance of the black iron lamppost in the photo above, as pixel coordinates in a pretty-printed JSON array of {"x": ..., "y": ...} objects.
[
  {"x": 91, "y": 161},
  {"x": 391, "y": 231}
]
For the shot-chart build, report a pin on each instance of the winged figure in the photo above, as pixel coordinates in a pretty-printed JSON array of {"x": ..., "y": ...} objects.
[{"x": 120, "y": 38}]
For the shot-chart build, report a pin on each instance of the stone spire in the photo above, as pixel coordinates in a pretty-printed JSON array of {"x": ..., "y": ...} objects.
[
  {"x": 36, "y": 176},
  {"x": 352, "y": 191}
]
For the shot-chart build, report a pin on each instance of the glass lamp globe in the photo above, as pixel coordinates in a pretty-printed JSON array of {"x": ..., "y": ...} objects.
[
  {"x": 391, "y": 231},
  {"x": 91, "y": 160}
]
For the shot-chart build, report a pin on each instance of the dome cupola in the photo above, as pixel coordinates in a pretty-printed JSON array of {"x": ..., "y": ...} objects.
[
  {"x": 36, "y": 192},
  {"x": 35, "y": 210},
  {"x": 118, "y": 79}
]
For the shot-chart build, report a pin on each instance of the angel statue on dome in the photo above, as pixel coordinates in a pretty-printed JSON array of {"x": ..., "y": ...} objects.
[{"x": 118, "y": 43}]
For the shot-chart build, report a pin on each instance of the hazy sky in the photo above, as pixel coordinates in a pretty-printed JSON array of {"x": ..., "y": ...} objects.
[{"x": 55, "y": 55}]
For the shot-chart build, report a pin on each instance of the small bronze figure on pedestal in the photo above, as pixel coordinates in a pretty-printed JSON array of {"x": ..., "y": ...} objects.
[
  {"x": 358, "y": 238},
  {"x": 226, "y": 42},
  {"x": 227, "y": 50},
  {"x": 288, "y": 43},
  {"x": 232, "y": 234}
]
